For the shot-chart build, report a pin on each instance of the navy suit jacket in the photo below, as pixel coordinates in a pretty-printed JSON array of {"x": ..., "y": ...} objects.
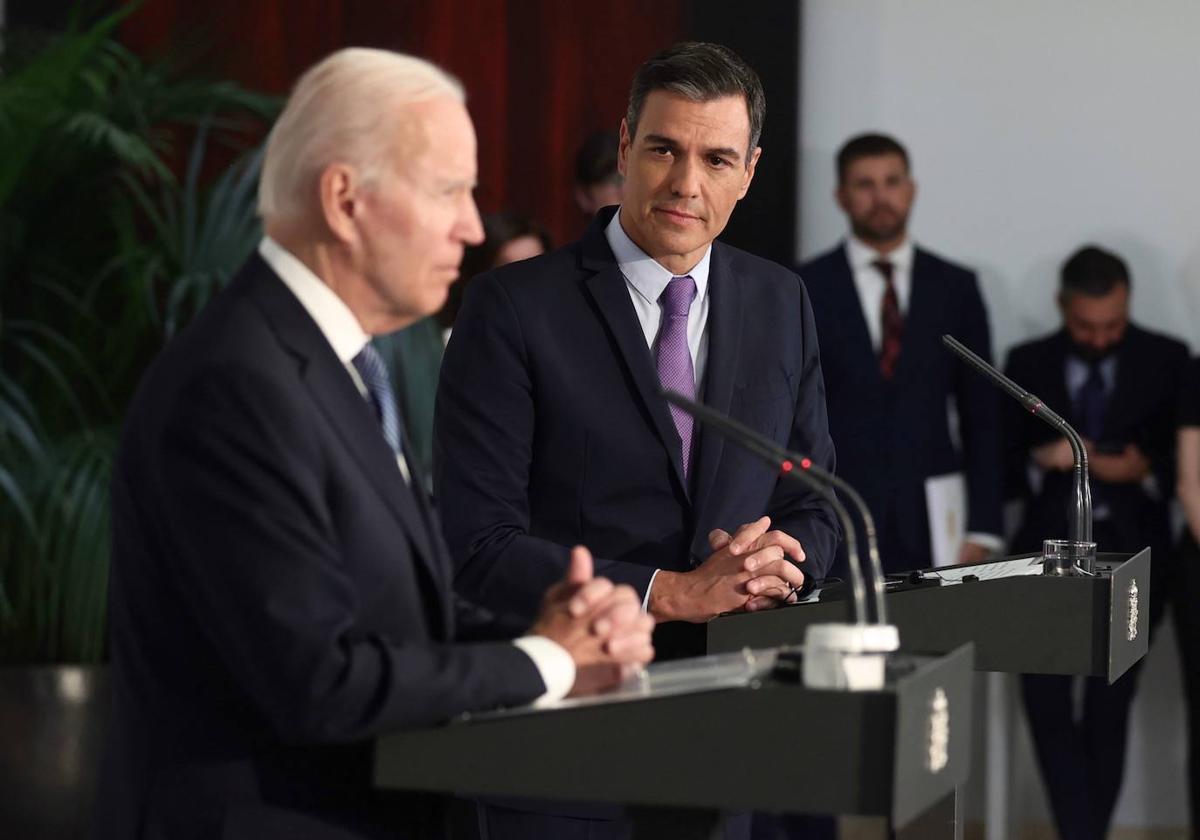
[
  {"x": 893, "y": 434},
  {"x": 1141, "y": 411},
  {"x": 278, "y": 597},
  {"x": 550, "y": 431}
]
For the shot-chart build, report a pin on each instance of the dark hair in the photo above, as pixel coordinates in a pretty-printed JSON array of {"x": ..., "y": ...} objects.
[
  {"x": 1094, "y": 272},
  {"x": 596, "y": 160},
  {"x": 700, "y": 72},
  {"x": 867, "y": 145},
  {"x": 498, "y": 230}
]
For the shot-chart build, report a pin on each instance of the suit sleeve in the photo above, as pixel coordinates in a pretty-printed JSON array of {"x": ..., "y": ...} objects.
[
  {"x": 483, "y": 451},
  {"x": 794, "y": 508},
  {"x": 242, "y": 502},
  {"x": 980, "y": 422}
]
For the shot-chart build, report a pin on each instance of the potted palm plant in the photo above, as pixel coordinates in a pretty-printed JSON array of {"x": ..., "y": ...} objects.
[{"x": 111, "y": 238}]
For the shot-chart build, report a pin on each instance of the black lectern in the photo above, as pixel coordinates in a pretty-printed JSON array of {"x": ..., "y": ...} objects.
[
  {"x": 1038, "y": 624},
  {"x": 771, "y": 745}
]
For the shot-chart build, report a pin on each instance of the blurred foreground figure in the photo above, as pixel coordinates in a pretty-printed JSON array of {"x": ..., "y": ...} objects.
[{"x": 280, "y": 592}]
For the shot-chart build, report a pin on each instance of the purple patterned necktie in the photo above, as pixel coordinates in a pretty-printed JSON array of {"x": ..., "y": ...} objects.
[{"x": 674, "y": 359}]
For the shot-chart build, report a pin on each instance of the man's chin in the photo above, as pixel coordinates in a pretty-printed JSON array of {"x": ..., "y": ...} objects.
[{"x": 879, "y": 235}]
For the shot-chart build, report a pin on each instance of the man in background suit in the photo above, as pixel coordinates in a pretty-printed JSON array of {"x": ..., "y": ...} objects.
[
  {"x": 1117, "y": 384},
  {"x": 550, "y": 428},
  {"x": 280, "y": 594},
  {"x": 882, "y": 305}
]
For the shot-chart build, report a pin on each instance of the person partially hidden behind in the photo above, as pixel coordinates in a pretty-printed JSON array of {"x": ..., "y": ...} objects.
[
  {"x": 1117, "y": 385},
  {"x": 280, "y": 592}
]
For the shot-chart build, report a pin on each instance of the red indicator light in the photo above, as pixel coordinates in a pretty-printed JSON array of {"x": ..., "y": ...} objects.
[
  {"x": 786, "y": 466},
  {"x": 806, "y": 463}
]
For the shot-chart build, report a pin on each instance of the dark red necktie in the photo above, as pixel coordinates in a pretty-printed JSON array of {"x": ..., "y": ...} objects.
[{"x": 892, "y": 320}]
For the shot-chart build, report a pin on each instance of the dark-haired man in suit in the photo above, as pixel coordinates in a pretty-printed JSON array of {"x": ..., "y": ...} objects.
[
  {"x": 1117, "y": 384},
  {"x": 280, "y": 593},
  {"x": 882, "y": 305},
  {"x": 550, "y": 428}
]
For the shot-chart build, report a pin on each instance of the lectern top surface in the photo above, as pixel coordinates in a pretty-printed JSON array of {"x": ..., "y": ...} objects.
[{"x": 739, "y": 669}]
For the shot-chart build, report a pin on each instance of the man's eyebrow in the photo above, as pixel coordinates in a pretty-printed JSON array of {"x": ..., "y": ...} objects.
[
  {"x": 660, "y": 140},
  {"x": 723, "y": 151},
  {"x": 726, "y": 151}
]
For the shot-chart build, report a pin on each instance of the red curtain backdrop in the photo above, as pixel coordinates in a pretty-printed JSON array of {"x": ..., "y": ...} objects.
[{"x": 540, "y": 74}]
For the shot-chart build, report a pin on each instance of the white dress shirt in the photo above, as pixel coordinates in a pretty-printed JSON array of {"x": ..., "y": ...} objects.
[
  {"x": 645, "y": 281},
  {"x": 347, "y": 338},
  {"x": 869, "y": 283}
]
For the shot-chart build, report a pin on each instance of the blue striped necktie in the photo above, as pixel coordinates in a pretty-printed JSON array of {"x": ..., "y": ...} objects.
[{"x": 379, "y": 385}]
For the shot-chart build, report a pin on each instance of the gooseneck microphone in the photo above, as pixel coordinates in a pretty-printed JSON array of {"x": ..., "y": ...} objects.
[
  {"x": 803, "y": 469},
  {"x": 1080, "y": 528}
]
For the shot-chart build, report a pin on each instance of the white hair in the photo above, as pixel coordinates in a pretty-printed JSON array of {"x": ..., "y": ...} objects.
[{"x": 342, "y": 109}]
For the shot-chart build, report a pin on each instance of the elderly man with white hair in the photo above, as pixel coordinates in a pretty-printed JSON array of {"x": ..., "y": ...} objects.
[{"x": 280, "y": 592}]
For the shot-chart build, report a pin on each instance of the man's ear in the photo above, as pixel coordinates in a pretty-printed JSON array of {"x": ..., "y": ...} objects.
[
  {"x": 340, "y": 196},
  {"x": 623, "y": 149},
  {"x": 751, "y": 164}
]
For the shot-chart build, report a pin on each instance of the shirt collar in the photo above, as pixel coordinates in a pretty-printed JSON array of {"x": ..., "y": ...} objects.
[
  {"x": 647, "y": 277},
  {"x": 335, "y": 320},
  {"x": 861, "y": 255}
]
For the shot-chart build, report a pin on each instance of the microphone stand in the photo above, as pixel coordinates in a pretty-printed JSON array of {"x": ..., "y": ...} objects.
[
  {"x": 838, "y": 656},
  {"x": 1081, "y": 556}
]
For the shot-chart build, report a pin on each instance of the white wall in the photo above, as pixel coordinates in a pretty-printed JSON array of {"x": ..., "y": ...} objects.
[{"x": 1034, "y": 126}]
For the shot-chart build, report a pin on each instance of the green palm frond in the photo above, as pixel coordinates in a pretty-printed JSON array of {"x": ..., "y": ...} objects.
[
  {"x": 29, "y": 98},
  {"x": 53, "y": 604},
  {"x": 105, "y": 252}
]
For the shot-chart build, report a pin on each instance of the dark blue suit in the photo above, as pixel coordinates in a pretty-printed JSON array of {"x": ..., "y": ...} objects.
[
  {"x": 550, "y": 430},
  {"x": 1083, "y": 761},
  {"x": 893, "y": 434},
  {"x": 279, "y": 596}
]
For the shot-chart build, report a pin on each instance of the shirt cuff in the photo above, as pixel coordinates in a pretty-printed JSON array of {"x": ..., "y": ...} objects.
[
  {"x": 991, "y": 542},
  {"x": 554, "y": 664},
  {"x": 649, "y": 586}
]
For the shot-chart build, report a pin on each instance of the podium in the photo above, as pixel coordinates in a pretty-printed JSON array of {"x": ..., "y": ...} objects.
[
  {"x": 1020, "y": 623},
  {"x": 678, "y": 756}
]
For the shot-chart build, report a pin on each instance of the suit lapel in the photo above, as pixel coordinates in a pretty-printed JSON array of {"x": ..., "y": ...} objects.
[
  {"x": 724, "y": 352},
  {"x": 608, "y": 288},
  {"x": 918, "y": 319},
  {"x": 347, "y": 412}
]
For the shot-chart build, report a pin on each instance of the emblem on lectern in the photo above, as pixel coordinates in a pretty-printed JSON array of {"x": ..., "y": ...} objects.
[
  {"x": 1132, "y": 630},
  {"x": 939, "y": 731}
]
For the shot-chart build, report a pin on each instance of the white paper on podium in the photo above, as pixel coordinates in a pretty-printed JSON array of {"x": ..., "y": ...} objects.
[
  {"x": 991, "y": 570},
  {"x": 946, "y": 502}
]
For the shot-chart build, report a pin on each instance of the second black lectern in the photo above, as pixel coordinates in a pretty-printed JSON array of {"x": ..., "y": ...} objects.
[{"x": 1019, "y": 622}]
